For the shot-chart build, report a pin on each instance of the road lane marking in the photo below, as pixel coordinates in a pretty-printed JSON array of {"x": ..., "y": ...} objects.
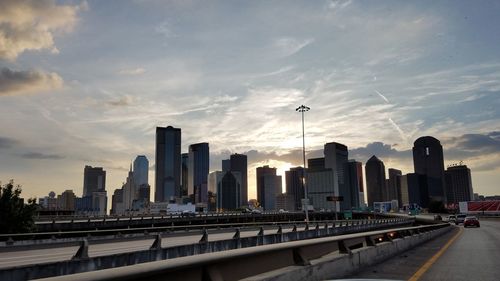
[{"x": 421, "y": 271}]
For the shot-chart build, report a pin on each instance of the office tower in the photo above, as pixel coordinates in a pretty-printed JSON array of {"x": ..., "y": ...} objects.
[
  {"x": 184, "y": 174},
  {"x": 198, "y": 167},
  {"x": 226, "y": 165},
  {"x": 375, "y": 180},
  {"x": 144, "y": 193},
  {"x": 414, "y": 190},
  {"x": 229, "y": 191},
  {"x": 99, "y": 203},
  {"x": 168, "y": 163},
  {"x": 213, "y": 179},
  {"x": 320, "y": 185},
  {"x": 268, "y": 186},
  {"x": 130, "y": 191},
  {"x": 315, "y": 164},
  {"x": 66, "y": 201},
  {"x": 285, "y": 202},
  {"x": 458, "y": 184},
  {"x": 393, "y": 185},
  {"x": 294, "y": 186},
  {"x": 141, "y": 170},
  {"x": 428, "y": 161},
  {"x": 117, "y": 202},
  {"x": 336, "y": 159},
  {"x": 238, "y": 163},
  {"x": 94, "y": 180},
  {"x": 355, "y": 181}
]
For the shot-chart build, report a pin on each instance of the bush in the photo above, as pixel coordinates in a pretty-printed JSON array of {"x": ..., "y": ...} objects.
[{"x": 15, "y": 215}]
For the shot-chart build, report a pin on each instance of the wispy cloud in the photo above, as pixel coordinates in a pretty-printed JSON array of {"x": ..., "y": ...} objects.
[
  {"x": 288, "y": 46},
  {"x": 132, "y": 71},
  {"x": 41, "y": 156}
]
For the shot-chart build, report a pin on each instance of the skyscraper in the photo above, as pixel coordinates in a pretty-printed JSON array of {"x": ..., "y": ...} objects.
[
  {"x": 458, "y": 184},
  {"x": 239, "y": 164},
  {"x": 229, "y": 191},
  {"x": 414, "y": 190},
  {"x": 141, "y": 170},
  {"x": 336, "y": 156},
  {"x": 198, "y": 168},
  {"x": 294, "y": 188},
  {"x": 393, "y": 185},
  {"x": 375, "y": 180},
  {"x": 355, "y": 180},
  {"x": 168, "y": 163},
  {"x": 94, "y": 180},
  {"x": 267, "y": 185},
  {"x": 428, "y": 161},
  {"x": 184, "y": 174}
]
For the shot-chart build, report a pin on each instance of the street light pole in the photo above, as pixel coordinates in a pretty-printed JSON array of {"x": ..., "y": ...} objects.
[{"x": 303, "y": 109}]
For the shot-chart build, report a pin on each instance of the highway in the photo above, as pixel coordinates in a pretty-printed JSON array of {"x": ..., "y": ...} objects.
[
  {"x": 473, "y": 255},
  {"x": 61, "y": 253}
]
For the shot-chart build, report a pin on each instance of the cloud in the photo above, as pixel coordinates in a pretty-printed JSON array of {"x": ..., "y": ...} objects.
[
  {"x": 289, "y": 46},
  {"x": 30, "y": 25},
  {"x": 22, "y": 82},
  {"x": 7, "y": 142},
  {"x": 165, "y": 29},
  {"x": 133, "y": 71},
  {"x": 380, "y": 150},
  {"x": 37, "y": 155},
  {"x": 122, "y": 101}
]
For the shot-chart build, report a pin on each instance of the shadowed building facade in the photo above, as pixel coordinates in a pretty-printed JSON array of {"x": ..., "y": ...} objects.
[
  {"x": 238, "y": 163},
  {"x": 168, "y": 163},
  {"x": 428, "y": 161},
  {"x": 268, "y": 187},
  {"x": 294, "y": 187},
  {"x": 394, "y": 185},
  {"x": 375, "y": 180},
  {"x": 458, "y": 184},
  {"x": 355, "y": 180},
  {"x": 199, "y": 165},
  {"x": 336, "y": 156}
]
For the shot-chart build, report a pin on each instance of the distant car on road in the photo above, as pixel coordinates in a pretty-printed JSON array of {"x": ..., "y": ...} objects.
[
  {"x": 452, "y": 218},
  {"x": 460, "y": 219},
  {"x": 471, "y": 221},
  {"x": 438, "y": 218}
]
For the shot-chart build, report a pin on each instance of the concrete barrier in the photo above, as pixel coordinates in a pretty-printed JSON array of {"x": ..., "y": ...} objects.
[
  {"x": 312, "y": 259},
  {"x": 205, "y": 246}
]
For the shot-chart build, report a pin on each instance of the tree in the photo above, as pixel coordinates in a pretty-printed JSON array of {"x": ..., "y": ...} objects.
[{"x": 15, "y": 215}]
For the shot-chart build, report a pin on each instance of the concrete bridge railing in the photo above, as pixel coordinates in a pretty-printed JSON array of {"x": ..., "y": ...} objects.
[
  {"x": 311, "y": 259},
  {"x": 82, "y": 263}
]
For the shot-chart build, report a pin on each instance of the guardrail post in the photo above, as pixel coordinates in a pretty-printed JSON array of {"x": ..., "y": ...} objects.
[
  {"x": 299, "y": 258},
  {"x": 83, "y": 251},
  {"x": 369, "y": 241},
  {"x": 157, "y": 243},
  {"x": 237, "y": 234},
  {"x": 261, "y": 231},
  {"x": 294, "y": 229},
  {"x": 343, "y": 249},
  {"x": 280, "y": 230},
  {"x": 204, "y": 237},
  {"x": 307, "y": 227},
  {"x": 10, "y": 241}
]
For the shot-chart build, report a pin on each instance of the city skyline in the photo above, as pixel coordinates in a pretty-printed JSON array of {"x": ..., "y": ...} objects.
[{"x": 99, "y": 78}]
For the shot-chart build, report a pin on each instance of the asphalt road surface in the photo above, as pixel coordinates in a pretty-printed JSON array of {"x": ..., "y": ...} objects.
[
  {"x": 37, "y": 256},
  {"x": 473, "y": 255}
]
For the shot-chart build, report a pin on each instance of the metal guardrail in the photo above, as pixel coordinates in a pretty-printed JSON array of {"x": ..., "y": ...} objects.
[
  {"x": 10, "y": 239},
  {"x": 81, "y": 262},
  {"x": 246, "y": 262}
]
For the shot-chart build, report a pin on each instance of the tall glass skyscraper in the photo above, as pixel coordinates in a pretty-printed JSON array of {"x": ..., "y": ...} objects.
[
  {"x": 336, "y": 159},
  {"x": 428, "y": 160},
  {"x": 141, "y": 170},
  {"x": 375, "y": 180},
  {"x": 198, "y": 167},
  {"x": 168, "y": 163},
  {"x": 94, "y": 180},
  {"x": 238, "y": 163}
]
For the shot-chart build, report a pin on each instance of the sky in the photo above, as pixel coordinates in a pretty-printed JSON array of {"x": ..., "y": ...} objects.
[{"x": 86, "y": 83}]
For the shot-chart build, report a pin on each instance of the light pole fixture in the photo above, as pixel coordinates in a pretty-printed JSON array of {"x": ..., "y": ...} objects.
[{"x": 303, "y": 109}]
